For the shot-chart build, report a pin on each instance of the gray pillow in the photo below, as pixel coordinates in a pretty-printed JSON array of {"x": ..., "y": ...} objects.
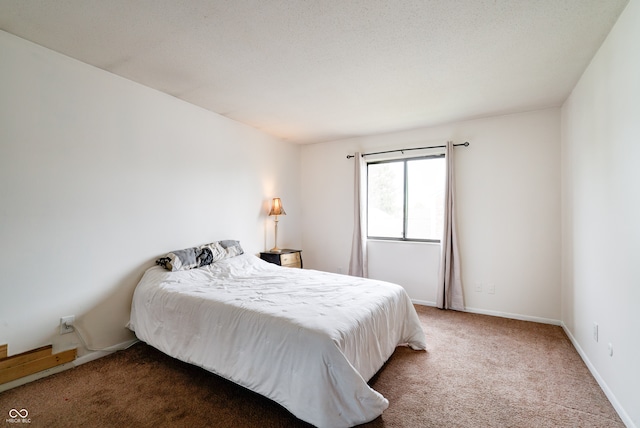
[{"x": 195, "y": 257}]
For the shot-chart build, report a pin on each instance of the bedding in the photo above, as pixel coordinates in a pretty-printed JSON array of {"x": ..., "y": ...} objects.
[{"x": 308, "y": 340}]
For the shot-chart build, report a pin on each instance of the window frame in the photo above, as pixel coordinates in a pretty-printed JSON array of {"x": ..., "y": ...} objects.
[{"x": 403, "y": 160}]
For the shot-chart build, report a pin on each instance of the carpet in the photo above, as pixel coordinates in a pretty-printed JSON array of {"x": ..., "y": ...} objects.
[{"x": 478, "y": 371}]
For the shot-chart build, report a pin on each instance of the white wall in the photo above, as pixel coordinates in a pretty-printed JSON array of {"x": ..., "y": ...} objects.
[
  {"x": 601, "y": 214},
  {"x": 101, "y": 175},
  {"x": 508, "y": 213}
]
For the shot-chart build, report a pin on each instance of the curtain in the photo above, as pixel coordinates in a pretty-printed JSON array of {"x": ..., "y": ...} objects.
[
  {"x": 449, "y": 282},
  {"x": 358, "y": 265}
]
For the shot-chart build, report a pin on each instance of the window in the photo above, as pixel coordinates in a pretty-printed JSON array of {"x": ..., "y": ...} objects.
[{"x": 405, "y": 199}]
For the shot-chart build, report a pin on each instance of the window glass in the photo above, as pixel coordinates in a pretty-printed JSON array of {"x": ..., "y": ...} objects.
[
  {"x": 385, "y": 202},
  {"x": 405, "y": 199},
  {"x": 425, "y": 198}
]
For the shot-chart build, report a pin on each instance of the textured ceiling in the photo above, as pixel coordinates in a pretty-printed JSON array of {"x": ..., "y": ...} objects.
[{"x": 313, "y": 71}]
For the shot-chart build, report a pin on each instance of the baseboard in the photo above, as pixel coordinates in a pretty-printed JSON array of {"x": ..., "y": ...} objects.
[
  {"x": 94, "y": 355},
  {"x": 423, "y": 302},
  {"x": 77, "y": 362},
  {"x": 514, "y": 316},
  {"x": 626, "y": 419},
  {"x": 496, "y": 313}
]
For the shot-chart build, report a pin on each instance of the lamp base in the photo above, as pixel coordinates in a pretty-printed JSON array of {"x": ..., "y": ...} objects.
[{"x": 275, "y": 248}]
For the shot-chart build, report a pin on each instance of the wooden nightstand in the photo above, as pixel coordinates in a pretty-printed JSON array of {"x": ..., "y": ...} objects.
[{"x": 286, "y": 258}]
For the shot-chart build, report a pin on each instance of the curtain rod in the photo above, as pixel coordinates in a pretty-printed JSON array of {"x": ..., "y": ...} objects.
[{"x": 466, "y": 144}]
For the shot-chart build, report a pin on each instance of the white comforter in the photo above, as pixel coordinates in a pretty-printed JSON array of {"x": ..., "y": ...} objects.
[{"x": 306, "y": 339}]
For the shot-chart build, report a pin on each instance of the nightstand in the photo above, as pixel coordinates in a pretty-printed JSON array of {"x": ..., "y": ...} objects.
[{"x": 286, "y": 258}]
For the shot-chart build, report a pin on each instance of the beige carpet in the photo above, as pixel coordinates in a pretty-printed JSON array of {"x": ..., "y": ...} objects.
[{"x": 478, "y": 371}]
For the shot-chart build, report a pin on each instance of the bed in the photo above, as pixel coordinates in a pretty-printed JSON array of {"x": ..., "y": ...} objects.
[{"x": 309, "y": 340}]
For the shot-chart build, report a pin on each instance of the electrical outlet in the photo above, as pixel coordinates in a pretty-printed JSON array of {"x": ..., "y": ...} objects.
[
  {"x": 610, "y": 348},
  {"x": 479, "y": 287},
  {"x": 491, "y": 288},
  {"x": 66, "y": 324},
  {"x": 595, "y": 331},
  {"x": 339, "y": 270}
]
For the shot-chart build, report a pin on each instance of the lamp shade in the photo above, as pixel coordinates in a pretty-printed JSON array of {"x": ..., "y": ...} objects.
[{"x": 276, "y": 207}]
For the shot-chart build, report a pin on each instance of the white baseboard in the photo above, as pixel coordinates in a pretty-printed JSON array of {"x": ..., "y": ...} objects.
[
  {"x": 626, "y": 419},
  {"x": 513, "y": 316},
  {"x": 94, "y": 355},
  {"x": 496, "y": 313},
  {"x": 57, "y": 369},
  {"x": 422, "y": 302}
]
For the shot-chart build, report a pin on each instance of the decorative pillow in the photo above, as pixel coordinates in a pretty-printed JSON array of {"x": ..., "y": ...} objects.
[{"x": 191, "y": 258}]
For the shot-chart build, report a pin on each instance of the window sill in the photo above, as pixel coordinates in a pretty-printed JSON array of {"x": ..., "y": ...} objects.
[{"x": 400, "y": 241}]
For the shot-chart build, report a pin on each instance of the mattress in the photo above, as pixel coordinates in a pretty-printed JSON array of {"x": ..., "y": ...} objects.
[{"x": 309, "y": 340}]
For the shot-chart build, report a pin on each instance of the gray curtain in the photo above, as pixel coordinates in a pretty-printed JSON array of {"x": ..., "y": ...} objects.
[
  {"x": 450, "y": 294},
  {"x": 358, "y": 265}
]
